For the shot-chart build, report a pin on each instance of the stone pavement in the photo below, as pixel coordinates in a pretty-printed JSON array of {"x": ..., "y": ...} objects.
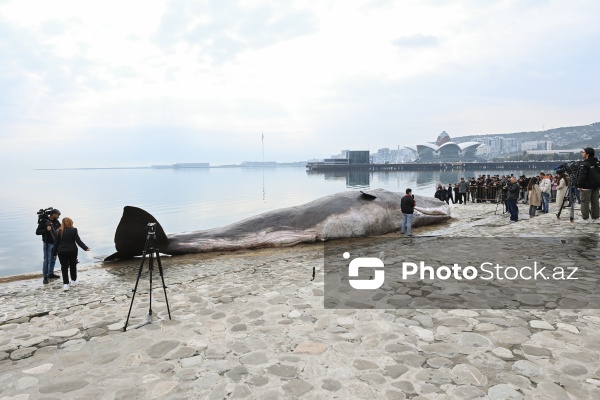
[{"x": 252, "y": 325}]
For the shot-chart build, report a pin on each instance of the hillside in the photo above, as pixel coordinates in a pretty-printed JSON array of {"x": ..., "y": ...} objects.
[{"x": 572, "y": 137}]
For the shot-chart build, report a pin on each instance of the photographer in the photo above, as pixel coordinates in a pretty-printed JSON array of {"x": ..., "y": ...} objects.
[
  {"x": 588, "y": 183},
  {"x": 512, "y": 195},
  {"x": 47, "y": 228}
]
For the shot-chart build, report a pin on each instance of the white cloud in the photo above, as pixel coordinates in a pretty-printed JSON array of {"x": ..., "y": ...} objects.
[{"x": 316, "y": 75}]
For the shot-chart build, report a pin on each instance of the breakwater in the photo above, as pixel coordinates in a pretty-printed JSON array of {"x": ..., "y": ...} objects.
[{"x": 442, "y": 166}]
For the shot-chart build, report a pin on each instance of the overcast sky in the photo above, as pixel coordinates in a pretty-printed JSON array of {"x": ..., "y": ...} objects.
[{"x": 129, "y": 83}]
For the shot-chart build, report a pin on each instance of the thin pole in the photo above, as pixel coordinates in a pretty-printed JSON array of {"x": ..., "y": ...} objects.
[{"x": 263, "y": 164}]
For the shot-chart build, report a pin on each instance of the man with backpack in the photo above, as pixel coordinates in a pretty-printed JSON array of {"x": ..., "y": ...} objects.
[
  {"x": 47, "y": 228},
  {"x": 588, "y": 183}
]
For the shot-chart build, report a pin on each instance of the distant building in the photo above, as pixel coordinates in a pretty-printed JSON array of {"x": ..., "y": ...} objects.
[
  {"x": 336, "y": 161},
  {"x": 359, "y": 157},
  {"x": 554, "y": 151},
  {"x": 254, "y": 164},
  {"x": 350, "y": 157},
  {"x": 445, "y": 150},
  {"x": 191, "y": 165}
]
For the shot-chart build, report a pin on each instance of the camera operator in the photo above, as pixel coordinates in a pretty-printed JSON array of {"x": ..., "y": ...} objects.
[
  {"x": 588, "y": 183},
  {"x": 47, "y": 229},
  {"x": 512, "y": 195}
]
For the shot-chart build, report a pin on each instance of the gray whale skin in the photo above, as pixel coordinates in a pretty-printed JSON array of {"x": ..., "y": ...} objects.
[{"x": 340, "y": 215}]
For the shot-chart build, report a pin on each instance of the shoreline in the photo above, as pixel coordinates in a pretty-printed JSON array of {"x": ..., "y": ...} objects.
[{"x": 251, "y": 324}]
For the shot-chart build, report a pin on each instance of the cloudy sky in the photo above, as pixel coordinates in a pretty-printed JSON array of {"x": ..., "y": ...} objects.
[{"x": 129, "y": 83}]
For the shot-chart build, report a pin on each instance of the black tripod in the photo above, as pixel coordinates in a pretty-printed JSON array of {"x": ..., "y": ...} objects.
[
  {"x": 570, "y": 196},
  {"x": 501, "y": 199},
  {"x": 151, "y": 251}
]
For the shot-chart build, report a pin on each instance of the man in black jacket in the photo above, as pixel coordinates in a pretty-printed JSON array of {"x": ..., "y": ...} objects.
[
  {"x": 588, "y": 183},
  {"x": 449, "y": 194},
  {"x": 47, "y": 229},
  {"x": 407, "y": 206},
  {"x": 512, "y": 195},
  {"x": 440, "y": 193}
]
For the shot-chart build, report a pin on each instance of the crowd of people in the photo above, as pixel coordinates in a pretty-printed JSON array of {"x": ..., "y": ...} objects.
[
  {"x": 489, "y": 188},
  {"x": 537, "y": 191}
]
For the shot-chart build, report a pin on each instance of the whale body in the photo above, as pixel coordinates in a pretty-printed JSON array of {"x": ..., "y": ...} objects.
[{"x": 341, "y": 215}]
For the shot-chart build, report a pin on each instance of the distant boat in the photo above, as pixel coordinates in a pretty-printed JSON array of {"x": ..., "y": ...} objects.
[{"x": 182, "y": 165}]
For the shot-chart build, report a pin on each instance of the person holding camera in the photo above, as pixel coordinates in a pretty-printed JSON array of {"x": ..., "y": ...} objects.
[
  {"x": 47, "y": 228},
  {"x": 67, "y": 239},
  {"x": 588, "y": 183},
  {"x": 407, "y": 206},
  {"x": 512, "y": 195}
]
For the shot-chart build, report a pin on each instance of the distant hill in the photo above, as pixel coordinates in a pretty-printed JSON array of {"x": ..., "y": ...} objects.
[{"x": 572, "y": 137}]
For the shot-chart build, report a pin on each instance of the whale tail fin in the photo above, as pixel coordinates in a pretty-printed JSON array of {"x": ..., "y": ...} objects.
[{"x": 131, "y": 234}]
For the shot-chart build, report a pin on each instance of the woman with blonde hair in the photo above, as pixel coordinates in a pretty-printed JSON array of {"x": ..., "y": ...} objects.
[{"x": 67, "y": 239}]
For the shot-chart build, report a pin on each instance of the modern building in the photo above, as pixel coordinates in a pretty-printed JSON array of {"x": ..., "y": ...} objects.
[
  {"x": 359, "y": 157},
  {"x": 445, "y": 150}
]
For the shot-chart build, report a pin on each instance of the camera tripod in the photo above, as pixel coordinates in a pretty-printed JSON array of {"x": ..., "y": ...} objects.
[
  {"x": 501, "y": 199},
  {"x": 571, "y": 197},
  {"x": 151, "y": 251}
]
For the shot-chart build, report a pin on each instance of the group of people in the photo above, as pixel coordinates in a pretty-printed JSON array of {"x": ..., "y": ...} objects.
[
  {"x": 60, "y": 239},
  {"x": 539, "y": 191},
  {"x": 490, "y": 189}
]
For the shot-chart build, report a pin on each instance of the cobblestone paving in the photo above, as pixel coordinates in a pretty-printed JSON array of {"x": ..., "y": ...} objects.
[{"x": 252, "y": 325}]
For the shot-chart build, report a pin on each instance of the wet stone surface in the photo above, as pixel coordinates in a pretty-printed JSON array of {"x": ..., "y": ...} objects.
[{"x": 253, "y": 325}]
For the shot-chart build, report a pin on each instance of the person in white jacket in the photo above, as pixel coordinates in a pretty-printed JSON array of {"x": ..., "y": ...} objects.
[
  {"x": 561, "y": 190},
  {"x": 546, "y": 187}
]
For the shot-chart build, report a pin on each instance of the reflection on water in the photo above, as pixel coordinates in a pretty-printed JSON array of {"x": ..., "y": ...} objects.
[
  {"x": 181, "y": 200},
  {"x": 358, "y": 179}
]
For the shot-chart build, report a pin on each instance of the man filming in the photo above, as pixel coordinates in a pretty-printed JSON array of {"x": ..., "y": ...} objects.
[
  {"x": 47, "y": 228},
  {"x": 588, "y": 183}
]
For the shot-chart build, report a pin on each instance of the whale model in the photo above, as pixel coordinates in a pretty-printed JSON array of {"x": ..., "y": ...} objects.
[{"x": 341, "y": 215}]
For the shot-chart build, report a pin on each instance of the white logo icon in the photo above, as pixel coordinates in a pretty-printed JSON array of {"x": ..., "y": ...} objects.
[{"x": 365, "y": 262}]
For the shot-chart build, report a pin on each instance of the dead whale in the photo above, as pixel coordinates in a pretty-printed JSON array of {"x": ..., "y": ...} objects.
[{"x": 340, "y": 215}]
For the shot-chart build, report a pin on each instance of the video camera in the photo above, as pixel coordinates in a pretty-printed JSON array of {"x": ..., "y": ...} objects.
[
  {"x": 570, "y": 168},
  {"x": 44, "y": 214},
  {"x": 151, "y": 228}
]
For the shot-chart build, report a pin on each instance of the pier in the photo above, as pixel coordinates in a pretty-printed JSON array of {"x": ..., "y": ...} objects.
[{"x": 442, "y": 166}]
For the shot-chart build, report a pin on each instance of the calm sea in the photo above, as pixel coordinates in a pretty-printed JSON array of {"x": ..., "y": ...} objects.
[{"x": 181, "y": 200}]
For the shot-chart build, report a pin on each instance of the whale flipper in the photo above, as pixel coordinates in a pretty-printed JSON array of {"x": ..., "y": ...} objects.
[{"x": 132, "y": 233}]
